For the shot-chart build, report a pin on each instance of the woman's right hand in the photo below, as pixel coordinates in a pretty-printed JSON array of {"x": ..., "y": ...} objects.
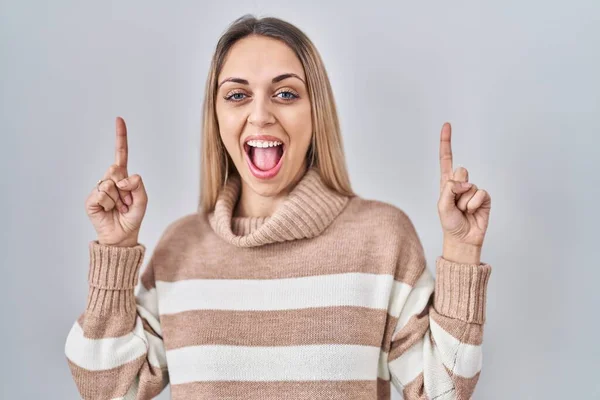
[{"x": 117, "y": 211}]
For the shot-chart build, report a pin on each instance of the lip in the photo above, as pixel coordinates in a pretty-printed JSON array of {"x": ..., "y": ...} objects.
[{"x": 255, "y": 171}]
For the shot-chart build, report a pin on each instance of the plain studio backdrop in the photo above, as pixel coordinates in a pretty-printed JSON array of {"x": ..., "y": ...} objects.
[{"x": 518, "y": 81}]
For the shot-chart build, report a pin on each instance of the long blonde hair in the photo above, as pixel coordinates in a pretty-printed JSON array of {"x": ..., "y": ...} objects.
[{"x": 326, "y": 152}]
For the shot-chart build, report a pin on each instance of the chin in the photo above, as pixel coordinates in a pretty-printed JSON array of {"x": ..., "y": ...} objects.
[{"x": 268, "y": 188}]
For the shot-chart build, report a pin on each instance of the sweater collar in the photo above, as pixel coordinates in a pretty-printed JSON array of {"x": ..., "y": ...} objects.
[{"x": 309, "y": 208}]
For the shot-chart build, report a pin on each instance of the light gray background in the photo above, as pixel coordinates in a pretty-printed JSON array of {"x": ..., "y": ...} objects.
[{"x": 518, "y": 81}]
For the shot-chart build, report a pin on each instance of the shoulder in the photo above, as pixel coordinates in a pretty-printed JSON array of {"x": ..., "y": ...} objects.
[
  {"x": 186, "y": 228},
  {"x": 380, "y": 216},
  {"x": 388, "y": 235}
]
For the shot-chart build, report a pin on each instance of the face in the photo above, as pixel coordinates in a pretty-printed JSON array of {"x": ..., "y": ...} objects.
[{"x": 264, "y": 114}]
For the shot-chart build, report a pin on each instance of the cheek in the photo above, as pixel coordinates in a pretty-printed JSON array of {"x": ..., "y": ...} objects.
[
  {"x": 230, "y": 119},
  {"x": 231, "y": 123},
  {"x": 298, "y": 124}
]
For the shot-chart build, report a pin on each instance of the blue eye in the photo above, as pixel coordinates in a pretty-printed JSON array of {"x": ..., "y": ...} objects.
[
  {"x": 292, "y": 97},
  {"x": 230, "y": 97},
  {"x": 287, "y": 95}
]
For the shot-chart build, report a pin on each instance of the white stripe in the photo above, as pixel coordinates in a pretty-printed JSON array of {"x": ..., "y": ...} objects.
[
  {"x": 409, "y": 365},
  {"x": 353, "y": 289},
  {"x": 107, "y": 353},
  {"x": 277, "y": 363},
  {"x": 461, "y": 358},
  {"x": 157, "y": 356},
  {"x": 400, "y": 292},
  {"x": 147, "y": 307},
  {"x": 417, "y": 299},
  {"x": 436, "y": 378},
  {"x": 383, "y": 371},
  {"x": 146, "y": 298}
]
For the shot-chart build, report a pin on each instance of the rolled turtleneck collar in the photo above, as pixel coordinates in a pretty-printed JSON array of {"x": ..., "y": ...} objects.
[{"x": 309, "y": 208}]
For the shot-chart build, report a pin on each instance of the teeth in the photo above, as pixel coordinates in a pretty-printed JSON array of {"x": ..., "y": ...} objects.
[{"x": 263, "y": 143}]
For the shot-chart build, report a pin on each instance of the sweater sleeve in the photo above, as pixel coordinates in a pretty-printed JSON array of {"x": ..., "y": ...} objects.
[
  {"x": 115, "y": 348},
  {"x": 434, "y": 350}
]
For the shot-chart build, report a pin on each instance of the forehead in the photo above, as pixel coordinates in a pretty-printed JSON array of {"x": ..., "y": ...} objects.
[{"x": 259, "y": 59}]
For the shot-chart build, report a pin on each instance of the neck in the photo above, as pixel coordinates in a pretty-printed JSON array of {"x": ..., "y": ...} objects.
[{"x": 253, "y": 204}]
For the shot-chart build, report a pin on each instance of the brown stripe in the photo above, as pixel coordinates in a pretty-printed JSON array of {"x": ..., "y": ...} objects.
[
  {"x": 383, "y": 389},
  {"x": 301, "y": 260},
  {"x": 152, "y": 381},
  {"x": 115, "y": 382},
  {"x": 460, "y": 330},
  {"x": 107, "y": 326},
  {"x": 339, "y": 325},
  {"x": 416, "y": 389},
  {"x": 297, "y": 390},
  {"x": 464, "y": 386},
  {"x": 147, "y": 275},
  {"x": 415, "y": 329},
  {"x": 390, "y": 325}
]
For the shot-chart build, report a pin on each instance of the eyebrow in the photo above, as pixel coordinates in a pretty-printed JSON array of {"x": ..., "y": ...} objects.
[{"x": 278, "y": 78}]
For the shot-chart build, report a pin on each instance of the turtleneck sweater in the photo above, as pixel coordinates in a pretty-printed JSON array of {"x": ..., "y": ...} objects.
[{"x": 330, "y": 297}]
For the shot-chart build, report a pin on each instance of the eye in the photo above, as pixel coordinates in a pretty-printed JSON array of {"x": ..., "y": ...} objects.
[
  {"x": 235, "y": 97},
  {"x": 289, "y": 95}
]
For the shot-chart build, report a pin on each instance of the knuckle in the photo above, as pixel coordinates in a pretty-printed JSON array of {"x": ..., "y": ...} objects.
[
  {"x": 100, "y": 195},
  {"x": 106, "y": 198}
]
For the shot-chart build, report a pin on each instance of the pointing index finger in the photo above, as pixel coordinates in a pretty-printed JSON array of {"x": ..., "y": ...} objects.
[
  {"x": 446, "y": 153},
  {"x": 121, "y": 150}
]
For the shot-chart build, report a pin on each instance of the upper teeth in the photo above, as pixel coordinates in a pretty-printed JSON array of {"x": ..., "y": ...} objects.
[{"x": 262, "y": 143}]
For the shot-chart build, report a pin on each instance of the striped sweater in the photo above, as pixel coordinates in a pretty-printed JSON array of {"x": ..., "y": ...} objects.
[{"x": 328, "y": 298}]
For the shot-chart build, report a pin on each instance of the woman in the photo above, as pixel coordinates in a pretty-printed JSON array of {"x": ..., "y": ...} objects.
[{"x": 284, "y": 284}]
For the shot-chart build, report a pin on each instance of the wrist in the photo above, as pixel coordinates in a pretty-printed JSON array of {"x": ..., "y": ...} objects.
[
  {"x": 131, "y": 243},
  {"x": 462, "y": 253},
  {"x": 124, "y": 243}
]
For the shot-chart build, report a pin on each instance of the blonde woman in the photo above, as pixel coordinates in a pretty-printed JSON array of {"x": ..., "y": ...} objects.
[{"x": 284, "y": 284}]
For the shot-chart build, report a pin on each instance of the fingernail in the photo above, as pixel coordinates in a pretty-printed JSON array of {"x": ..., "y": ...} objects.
[
  {"x": 124, "y": 209},
  {"x": 467, "y": 184},
  {"x": 122, "y": 183},
  {"x": 128, "y": 200}
]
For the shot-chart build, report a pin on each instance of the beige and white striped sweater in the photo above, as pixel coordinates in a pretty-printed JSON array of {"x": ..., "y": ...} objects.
[{"x": 328, "y": 298}]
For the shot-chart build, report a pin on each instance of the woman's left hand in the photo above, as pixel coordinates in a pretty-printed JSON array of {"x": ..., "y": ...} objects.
[{"x": 464, "y": 211}]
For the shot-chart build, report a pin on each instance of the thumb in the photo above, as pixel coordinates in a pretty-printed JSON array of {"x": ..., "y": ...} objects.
[{"x": 452, "y": 189}]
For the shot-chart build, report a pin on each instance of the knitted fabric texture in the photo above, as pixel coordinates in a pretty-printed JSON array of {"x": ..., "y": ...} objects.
[{"x": 330, "y": 297}]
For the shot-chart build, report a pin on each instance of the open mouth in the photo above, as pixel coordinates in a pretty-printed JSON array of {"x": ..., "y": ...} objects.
[{"x": 264, "y": 157}]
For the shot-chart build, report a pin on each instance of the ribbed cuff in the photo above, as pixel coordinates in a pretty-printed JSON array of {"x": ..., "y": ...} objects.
[
  {"x": 112, "y": 277},
  {"x": 460, "y": 290}
]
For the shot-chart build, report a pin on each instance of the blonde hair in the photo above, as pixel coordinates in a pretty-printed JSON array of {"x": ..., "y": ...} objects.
[{"x": 326, "y": 152}]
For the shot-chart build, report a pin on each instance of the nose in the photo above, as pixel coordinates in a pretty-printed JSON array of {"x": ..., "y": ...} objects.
[{"x": 260, "y": 113}]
